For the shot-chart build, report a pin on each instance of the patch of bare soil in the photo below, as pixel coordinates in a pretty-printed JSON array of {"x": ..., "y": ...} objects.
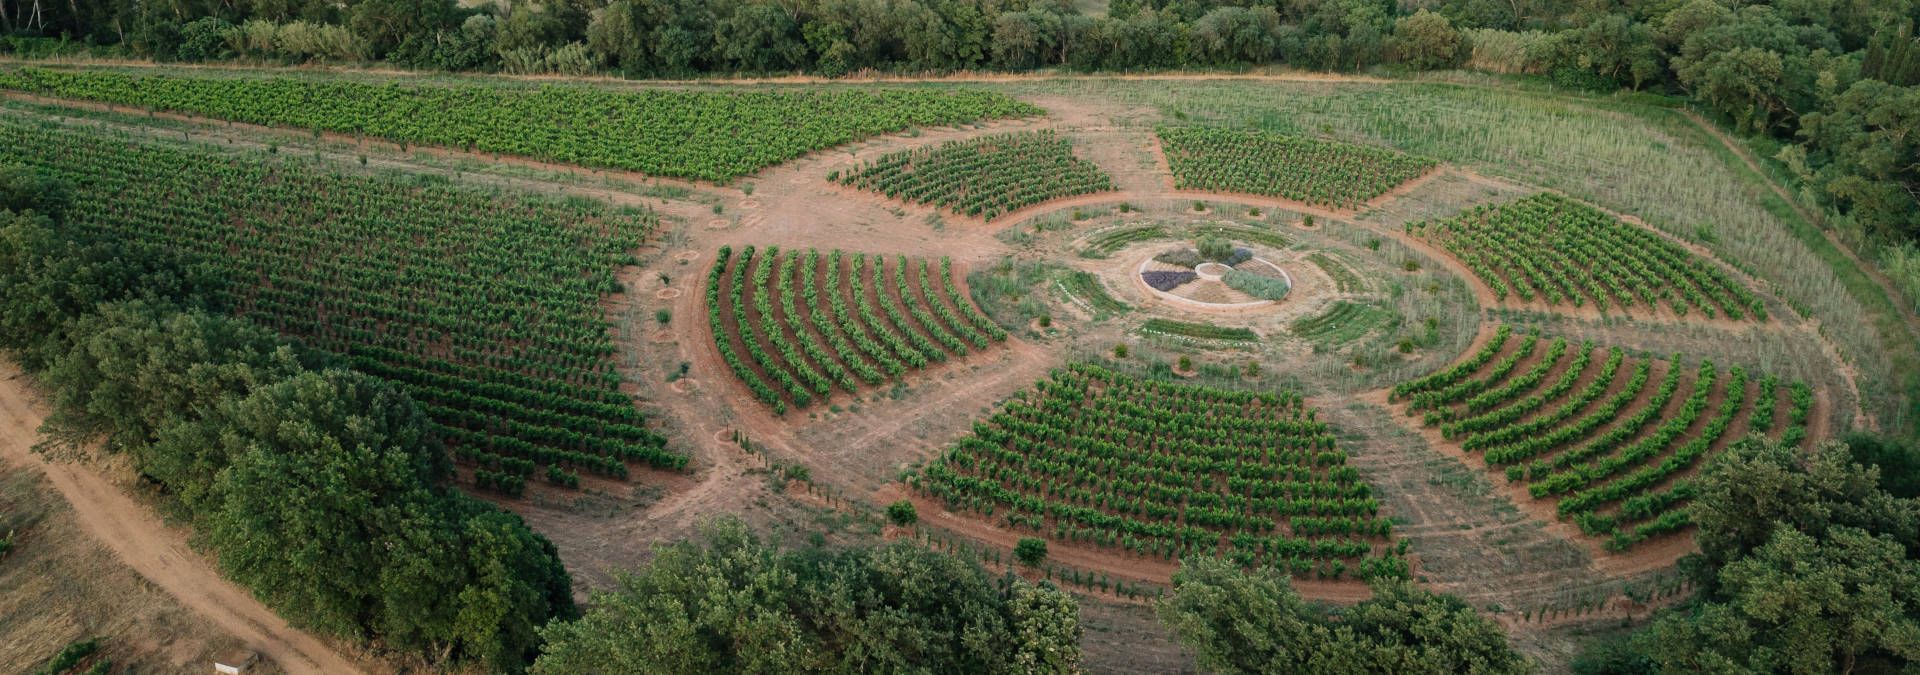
[{"x": 158, "y": 553}]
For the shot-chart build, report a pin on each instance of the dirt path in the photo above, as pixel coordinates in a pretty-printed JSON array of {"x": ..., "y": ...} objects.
[{"x": 152, "y": 549}]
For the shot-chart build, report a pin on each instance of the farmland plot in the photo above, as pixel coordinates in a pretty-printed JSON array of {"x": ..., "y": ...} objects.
[
  {"x": 797, "y": 326},
  {"x": 1613, "y": 439},
  {"x": 1167, "y": 470},
  {"x": 487, "y": 309},
  {"x": 1326, "y": 173},
  {"x": 983, "y": 177},
  {"x": 1558, "y": 251},
  {"x": 707, "y": 135}
]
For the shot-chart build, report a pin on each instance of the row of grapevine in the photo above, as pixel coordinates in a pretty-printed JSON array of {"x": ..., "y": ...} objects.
[
  {"x": 1328, "y": 173},
  {"x": 1554, "y": 250},
  {"x": 797, "y": 326},
  {"x": 1162, "y": 469},
  {"x": 705, "y": 134},
  {"x": 484, "y": 308},
  {"x": 984, "y": 177},
  {"x": 1613, "y": 439}
]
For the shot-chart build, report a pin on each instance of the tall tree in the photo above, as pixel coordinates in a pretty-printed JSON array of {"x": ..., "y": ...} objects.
[{"x": 733, "y": 604}]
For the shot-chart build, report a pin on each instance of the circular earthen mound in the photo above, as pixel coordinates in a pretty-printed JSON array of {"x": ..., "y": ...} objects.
[{"x": 667, "y": 293}]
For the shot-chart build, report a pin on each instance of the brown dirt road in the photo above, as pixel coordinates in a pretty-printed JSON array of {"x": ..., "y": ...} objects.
[{"x": 157, "y": 552}]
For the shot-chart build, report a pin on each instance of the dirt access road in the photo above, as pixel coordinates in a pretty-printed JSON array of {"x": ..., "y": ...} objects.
[{"x": 157, "y": 552}]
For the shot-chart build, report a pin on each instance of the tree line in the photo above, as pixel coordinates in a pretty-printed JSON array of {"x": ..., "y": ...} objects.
[
  {"x": 321, "y": 490},
  {"x": 1836, "y": 84}
]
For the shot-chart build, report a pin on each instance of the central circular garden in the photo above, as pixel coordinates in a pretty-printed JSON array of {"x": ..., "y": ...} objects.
[{"x": 1214, "y": 273}]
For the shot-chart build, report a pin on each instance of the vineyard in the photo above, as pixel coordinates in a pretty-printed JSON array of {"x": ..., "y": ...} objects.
[
  {"x": 1168, "y": 470},
  {"x": 708, "y": 135},
  {"x": 1614, "y": 439},
  {"x": 486, "y": 309},
  {"x": 984, "y": 177},
  {"x": 797, "y": 326},
  {"x": 1558, "y": 251},
  {"x": 1327, "y": 173}
]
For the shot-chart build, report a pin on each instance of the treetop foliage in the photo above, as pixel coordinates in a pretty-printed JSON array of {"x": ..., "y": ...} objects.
[
  {"x": 731, "y": 603},
  {"x": 320, "y": 489},
  {"x": 1240, "y": 621},
  {"x": 1807, "y": 566}
]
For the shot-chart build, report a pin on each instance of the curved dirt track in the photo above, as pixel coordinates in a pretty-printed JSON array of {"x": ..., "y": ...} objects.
[{"x": 157, "y": 552}]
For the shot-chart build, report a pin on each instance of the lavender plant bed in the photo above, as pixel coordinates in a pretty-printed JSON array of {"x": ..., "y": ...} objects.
[{"x": 1166, "y": 281}]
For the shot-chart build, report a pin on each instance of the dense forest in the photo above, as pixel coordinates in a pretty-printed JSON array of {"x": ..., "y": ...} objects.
[{"x": 1835, "y": 83}]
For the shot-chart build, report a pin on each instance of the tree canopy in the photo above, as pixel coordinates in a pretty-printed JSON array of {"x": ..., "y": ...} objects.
[
  {"x": 731, "y": 603},
  {"x": 1240, "y": 621},
  {"x": 1807, "y": 565},
  {"x": 322, "y": 490}
]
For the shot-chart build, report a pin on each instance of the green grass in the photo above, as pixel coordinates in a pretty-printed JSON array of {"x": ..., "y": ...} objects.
[
  {"x": 1105, "y": 243},
  {"x": 1085, "y": 287},
  {"x": 1344, "y": 278},
  {"x": 1198, "y": 331},
  {"x": 1343, "y": 323}
]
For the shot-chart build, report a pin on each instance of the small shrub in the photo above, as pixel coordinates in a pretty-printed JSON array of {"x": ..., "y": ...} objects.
[
  {"x": 1031, "y": 551},
  {"x": 663, "y": 315},
  {"x": 1263, "y": 287},
  {"x": 1307, "y": 221},
  {"x": 1186, "y": 362},
  {"x": 902, "y": 513},
  {"x": 1119, "y": 351},
  {"x": 1046, "y": 321},
  {"x": 1214, "y": 248},
  {"x": 74, "y": 653},
  {"x": 1373, "y": 244}
]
